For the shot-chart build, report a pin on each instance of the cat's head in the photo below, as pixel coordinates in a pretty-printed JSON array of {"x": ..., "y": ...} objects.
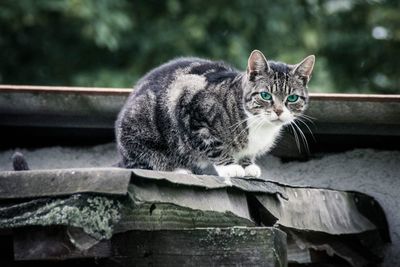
[{"x": 276, "y": 92}]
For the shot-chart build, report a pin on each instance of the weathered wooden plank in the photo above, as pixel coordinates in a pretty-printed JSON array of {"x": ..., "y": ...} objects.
[
  {"x": 211, "y": 182},
  {"x": 44, "y": 183},
  {"x": 162, "y": 202},
  {"x": 322, "y": 210},
  {"x": 54, "y": 243},
  {"x": 236, "y": 246},
  {"x": 219, "y": 200},
  {"x": 162, "y": 216},
  {"x": 205, "y": 181},
  {"x": 202, "y": 206}
]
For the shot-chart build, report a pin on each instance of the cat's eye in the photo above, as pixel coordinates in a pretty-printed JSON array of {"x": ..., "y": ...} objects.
[
  {"x": 266, "y": 95},
  {"x": 292, "y": 98}
]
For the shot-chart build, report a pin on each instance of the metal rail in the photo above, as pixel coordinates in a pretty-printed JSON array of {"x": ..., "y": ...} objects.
[
  {"x": 91, "y": 110},
  {"x": 126, "y": 91}
]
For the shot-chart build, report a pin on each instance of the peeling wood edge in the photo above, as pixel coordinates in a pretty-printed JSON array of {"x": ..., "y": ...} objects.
[
  {"x": 126, "y": 91},
  {"x": 135, "y": 174}
]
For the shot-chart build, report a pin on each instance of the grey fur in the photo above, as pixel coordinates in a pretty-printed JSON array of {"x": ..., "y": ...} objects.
[{"x": 191, "y": 112}]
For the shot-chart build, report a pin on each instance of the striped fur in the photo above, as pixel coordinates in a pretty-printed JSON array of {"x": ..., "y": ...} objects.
[{"x": 192, "y": 112}]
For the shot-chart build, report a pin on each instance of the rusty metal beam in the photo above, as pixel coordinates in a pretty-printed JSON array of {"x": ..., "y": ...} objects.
[
  {"x": 64, "y": 89},
  {"x": 126, "y": 91},
  {"x": 62, "y": 112}
]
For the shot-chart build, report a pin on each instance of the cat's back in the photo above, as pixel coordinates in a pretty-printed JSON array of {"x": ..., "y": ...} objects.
[
  {"x": 186, "y": 72},
  {"x": 168, "y": 91}
]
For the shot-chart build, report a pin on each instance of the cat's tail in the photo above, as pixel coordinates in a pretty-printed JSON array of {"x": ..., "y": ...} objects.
[{"x": 19, "y": 162}]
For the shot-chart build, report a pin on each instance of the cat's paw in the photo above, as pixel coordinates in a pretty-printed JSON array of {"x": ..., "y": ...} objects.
[
  {"x": 233, "y": 170},
  {"x": 252, "y": 170}
]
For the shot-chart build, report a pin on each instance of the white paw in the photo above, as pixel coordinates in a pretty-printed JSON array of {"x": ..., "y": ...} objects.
[
  {"x": 233, "y": 170},
  {"x": 252, "y": 170},
  {"x": 183, "y": 171}
]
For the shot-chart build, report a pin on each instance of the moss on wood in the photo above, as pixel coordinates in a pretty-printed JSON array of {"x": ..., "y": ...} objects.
[{"x": 96, "y": 215}]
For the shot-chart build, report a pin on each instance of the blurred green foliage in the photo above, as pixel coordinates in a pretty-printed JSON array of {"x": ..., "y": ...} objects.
[{"x": 113, "y": 43}]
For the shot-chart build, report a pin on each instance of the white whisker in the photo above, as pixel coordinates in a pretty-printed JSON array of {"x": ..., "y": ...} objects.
[
  {"x": 296, "y": 138},
  {"x": 260, "y": 124},
  {"x": 308, "y": 118},
  {"x": 305, "y": 124},
  {"x": 244, "y": 130},
  {"x": 242, "y": 121},
  {"x": 303, "y": 137}
]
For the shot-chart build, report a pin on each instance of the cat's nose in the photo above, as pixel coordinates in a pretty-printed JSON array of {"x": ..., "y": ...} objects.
[{"x": 278, "y": 111}]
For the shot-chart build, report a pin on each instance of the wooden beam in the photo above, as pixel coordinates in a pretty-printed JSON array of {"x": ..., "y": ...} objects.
[
  {"x": 43, "y": 183},
  {"x": 236, "y": 246}
]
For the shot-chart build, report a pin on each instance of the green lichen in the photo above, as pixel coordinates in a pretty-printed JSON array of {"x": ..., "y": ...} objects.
[{"x": 94, "y": 214}]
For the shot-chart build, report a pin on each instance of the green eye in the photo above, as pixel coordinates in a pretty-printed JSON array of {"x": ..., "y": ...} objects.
[
  {"x": 292, "y": 98},
  {"x": 266, "y": 96}
]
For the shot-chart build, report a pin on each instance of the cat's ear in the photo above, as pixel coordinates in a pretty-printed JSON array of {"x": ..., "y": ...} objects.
[
  {"x": 305, "y": 67},
  {"x": 257, "y": 63}
]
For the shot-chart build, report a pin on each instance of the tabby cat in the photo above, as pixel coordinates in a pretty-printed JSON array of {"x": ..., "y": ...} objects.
[{"x": 191, "y": 112}]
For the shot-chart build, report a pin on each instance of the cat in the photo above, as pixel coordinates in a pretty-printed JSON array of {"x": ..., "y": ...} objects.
[{"x": 191, "y": 112}]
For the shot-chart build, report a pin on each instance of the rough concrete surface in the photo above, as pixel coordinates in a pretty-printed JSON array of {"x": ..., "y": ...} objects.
[{"x": 376, "y": 173}]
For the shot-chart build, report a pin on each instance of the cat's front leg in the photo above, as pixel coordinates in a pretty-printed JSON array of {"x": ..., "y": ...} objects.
[
  {"x": 250, "y": 168},
  {"x": 214, "y": 149},
  {"x": 224, "y": 164}
]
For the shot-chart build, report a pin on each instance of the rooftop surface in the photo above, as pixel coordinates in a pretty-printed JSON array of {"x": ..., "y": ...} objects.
[
  {"x": 356, "y": 147},
  {"x": 142, "y": 200},
  {"x": 353, "y": 171}
]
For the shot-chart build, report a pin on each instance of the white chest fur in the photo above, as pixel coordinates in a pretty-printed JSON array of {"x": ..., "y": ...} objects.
[{"x": 260, "y": 139}]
